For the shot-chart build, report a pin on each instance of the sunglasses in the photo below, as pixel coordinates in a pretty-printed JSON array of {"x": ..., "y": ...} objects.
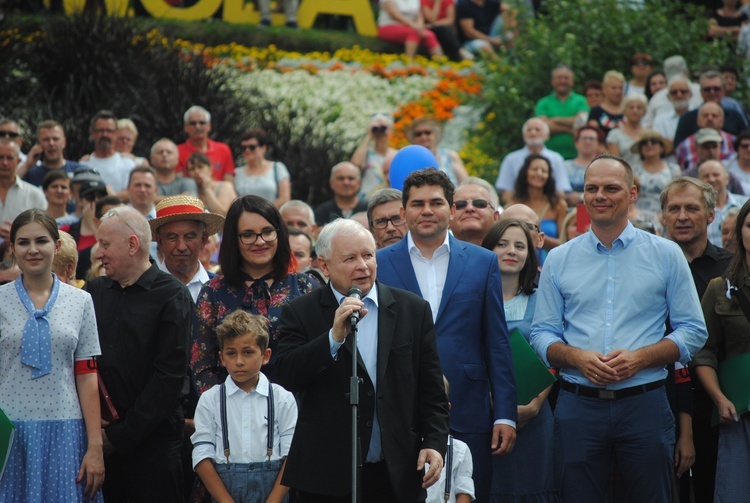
[
  {"x": 196, "y": 123},
  {"x": 711, "y": 89},
  {"x": 650, "y": 141},
  {"x": 9, "y": 134},
  {"x": 251, "y": 148},
  {"x": 479, "y": 204},
  {"x": 419, "y": 134}
]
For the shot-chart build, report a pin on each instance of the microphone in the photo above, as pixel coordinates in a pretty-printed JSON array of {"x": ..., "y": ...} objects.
[{"x": 356, "y": 292}]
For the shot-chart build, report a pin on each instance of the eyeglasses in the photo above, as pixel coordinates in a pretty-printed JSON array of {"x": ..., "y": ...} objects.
[
  {"x": 9, "y": 134},
  {"x": 709, "y": 144},
  {"x": 419, "y": 134},
  {"x": 251, "y": 148},
  {"x": 196, "y": 123},
  {"x": 382, "y": 223},
  {"x": 479, "y": 204},
  {"x": 675, "y": 92},
  {"x": 642, "y": 62},
  {"x": 588, "y": 138},
  {"x": 651, "y": 141},
  {"x": 711, "y": 89},
  {"x": 267, "y": 235}
]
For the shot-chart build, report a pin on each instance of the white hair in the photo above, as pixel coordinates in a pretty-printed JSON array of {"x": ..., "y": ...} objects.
[
  {"x": 342, "y": 227},
  {"x": 296, "y": 204},
  {"x": 137, "y": 223},
  {"x": 196, "y": 108}
]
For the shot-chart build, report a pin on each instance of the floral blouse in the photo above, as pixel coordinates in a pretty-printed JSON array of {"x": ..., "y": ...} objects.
[{"x": 216, "y": 300}]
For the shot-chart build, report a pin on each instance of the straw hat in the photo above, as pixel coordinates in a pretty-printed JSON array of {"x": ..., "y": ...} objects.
[
  {"x": 652, "y": 134},
  {"x": 175, "y": 208}
]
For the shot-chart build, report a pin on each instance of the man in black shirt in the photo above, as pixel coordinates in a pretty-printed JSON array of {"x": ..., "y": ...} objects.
[
  {"x": 144, "y": 319},
  {"x": 687, "y": 209}
]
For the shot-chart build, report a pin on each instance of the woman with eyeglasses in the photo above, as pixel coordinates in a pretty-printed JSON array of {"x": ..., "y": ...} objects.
[
  {"x": 428, "y": 132},
  {"x": 535, "y": 187},
  {"x": 652, "y": 169},
  {"x": 259, "y": 176},
  {"x": 258, "y": 276},
  {"x": 527, "y": 474}
]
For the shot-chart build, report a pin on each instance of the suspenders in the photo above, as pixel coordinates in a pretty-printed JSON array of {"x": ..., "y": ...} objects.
[
  {"x": 225, "y": 428},
  {"x": 448, "y": 469}
]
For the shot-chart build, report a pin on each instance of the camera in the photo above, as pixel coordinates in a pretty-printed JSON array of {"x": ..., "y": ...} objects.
[{"x": 378, "y": 129}]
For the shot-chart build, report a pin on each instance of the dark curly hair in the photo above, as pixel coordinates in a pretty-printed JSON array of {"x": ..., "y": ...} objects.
[{"x": 522, "y": 181}]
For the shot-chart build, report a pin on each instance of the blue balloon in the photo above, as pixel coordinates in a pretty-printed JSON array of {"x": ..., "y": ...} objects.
[{"x": 407, "y": 160}]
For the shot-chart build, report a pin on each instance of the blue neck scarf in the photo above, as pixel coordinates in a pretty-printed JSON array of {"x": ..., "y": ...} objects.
[{"x": 36, "y": 343}]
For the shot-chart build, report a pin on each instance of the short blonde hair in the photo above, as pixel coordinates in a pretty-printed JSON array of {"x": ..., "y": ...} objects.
[
  {"x": 613, "y": 75},
  {"x": 127, "y": 124},
  {"x": 68, "y": 253}
]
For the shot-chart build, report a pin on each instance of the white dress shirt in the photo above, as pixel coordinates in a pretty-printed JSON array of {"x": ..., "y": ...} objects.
[
  {"x": 247, "y": 422},
  {"x": 430, "y": 273},
  {"x": 197, "y": 281}
]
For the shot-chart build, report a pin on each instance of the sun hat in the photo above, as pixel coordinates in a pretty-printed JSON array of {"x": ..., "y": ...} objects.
[
  {"x": 652, "y": 134},
  {"x": 182, "y": 207}
]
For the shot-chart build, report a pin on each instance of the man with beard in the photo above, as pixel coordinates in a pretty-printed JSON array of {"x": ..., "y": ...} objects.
[
  {"x": 47, "y": 155},
  {"x": 113, "y": 167},
  {"x": 197, "y": 126},
  {"x": 535, "y": 133},
  {"x": 679, "y": 95}
]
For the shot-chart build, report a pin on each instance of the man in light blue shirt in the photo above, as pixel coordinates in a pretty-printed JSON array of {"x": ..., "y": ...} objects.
[{"x": 603, "y": 300}]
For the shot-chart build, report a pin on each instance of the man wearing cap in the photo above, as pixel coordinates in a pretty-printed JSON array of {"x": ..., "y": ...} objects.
[
  {"x": 181, "y": 229},
  {"x": 710, "y": 116},
  {"x": 712, "y": 90},
  {"x": 709, "y": 146},
  {"x": 87, "y": 187},
  {"x": 15, "y": 194},
  {"x": 372, "y": 152}
]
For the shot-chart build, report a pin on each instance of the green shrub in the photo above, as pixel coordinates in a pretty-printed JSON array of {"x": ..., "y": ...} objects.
[{"x": 592, "y": 37}]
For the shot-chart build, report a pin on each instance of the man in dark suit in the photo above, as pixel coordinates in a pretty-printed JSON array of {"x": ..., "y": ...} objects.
[
  {"x": 403, "y": 410},
  {"x": 461, "y": 281}
]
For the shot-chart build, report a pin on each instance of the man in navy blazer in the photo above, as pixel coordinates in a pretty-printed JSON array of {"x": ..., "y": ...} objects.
[{"x": 461, "y": 281}]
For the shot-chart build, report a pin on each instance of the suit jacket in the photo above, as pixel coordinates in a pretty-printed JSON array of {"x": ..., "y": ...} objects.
[
  {"x": 472, "y": 336},
  {"x": 411, "y": 402}
]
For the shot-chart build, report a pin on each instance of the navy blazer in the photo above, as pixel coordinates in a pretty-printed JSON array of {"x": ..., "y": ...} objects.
[
  {"x": 472, "y": 336},
  {"x": 410, "y": 396}
]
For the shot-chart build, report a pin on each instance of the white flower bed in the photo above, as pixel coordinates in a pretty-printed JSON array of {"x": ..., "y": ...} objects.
[{"x": 337, "y": 103}]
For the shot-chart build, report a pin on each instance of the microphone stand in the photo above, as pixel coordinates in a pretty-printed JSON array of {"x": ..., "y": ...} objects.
[{"x": 354, "y": 381}]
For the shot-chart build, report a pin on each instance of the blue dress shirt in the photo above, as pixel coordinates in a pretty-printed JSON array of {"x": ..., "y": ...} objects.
[
  {"x": 367, "y": 347},
  {"x": 600, "y": 299}
]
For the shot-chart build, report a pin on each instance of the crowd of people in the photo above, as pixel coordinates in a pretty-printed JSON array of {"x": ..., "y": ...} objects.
[{"x": 196, "y": 339}]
